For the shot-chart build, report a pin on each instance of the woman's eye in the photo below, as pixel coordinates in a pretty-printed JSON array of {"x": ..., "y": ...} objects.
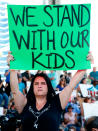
[
  {"x": 43, "y": 83},
  {"x": 36, "y": 83}
]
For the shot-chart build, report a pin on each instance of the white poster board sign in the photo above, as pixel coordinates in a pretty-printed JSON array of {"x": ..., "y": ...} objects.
[
  {"x": 83, "y": 88},
  {"x": 1, "y": 111},
  {"x": 90, "y": 109}
]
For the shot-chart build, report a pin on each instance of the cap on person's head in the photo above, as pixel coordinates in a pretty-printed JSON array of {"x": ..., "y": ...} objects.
[{"x": 70, "y": 107}]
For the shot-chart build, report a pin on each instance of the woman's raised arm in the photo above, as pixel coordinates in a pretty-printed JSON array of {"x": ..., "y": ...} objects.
[
  {"x": 19, "y": 99},
  {"x": 66, "y": 92}
]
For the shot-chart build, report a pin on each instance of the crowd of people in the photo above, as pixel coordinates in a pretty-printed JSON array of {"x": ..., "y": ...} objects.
[{"x": 72, "y": 116}]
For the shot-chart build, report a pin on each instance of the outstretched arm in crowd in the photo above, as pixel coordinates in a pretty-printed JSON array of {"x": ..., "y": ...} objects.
[
  {"x": 6, "y": 73},
  {"x": 19, "y": 99},
  {"x": 66, "y": 92}
]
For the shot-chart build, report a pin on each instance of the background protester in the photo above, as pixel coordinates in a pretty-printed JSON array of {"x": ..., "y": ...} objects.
[
  {"x": 53, "y": 77},
  {"x": 84, "y": 81},
  {"x": 75, "y": 105},
  {"x": 61, "y": 85},
  {"x": 22, "y": 87},
  {"x": 7, "y": 75},
  {"x": 70, "y": 118},
  {"x": 93, "y": 75},
  {"x": 65, "y": 74},
  {"x": 69, "y": 76},
  {"x": 3, "y": 96},
  {"x": 26, "y": 76},
  {"x": 87, "y": 100}
]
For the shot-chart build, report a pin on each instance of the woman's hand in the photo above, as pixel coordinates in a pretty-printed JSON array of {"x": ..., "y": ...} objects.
[
  {"x": 80, "y": 73},
  {"x": 90, "y": 57},
  {"x": 9, "y": 57}
]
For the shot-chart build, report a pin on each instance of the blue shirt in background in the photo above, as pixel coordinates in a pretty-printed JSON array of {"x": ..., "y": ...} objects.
[
  {"x": 7, "y": 77},
  {"x": 94, "y": 75},
  {"x": 60, "y": 88},
  {"x": 21, "y": 87},
  {"x": 53, "y": 82}
]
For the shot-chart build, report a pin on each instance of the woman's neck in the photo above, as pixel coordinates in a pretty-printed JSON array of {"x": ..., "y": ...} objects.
[
  {"x": 40, "y": 102},
  {"x": 62, "y": 85},
  {"x": 70, "y": 113}
]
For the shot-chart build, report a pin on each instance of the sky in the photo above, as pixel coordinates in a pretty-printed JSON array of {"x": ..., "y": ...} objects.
[{"x": 93, "y": 27}]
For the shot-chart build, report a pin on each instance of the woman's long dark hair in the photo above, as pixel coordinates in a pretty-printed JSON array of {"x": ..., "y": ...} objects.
[{"x": 50, "y": 94}]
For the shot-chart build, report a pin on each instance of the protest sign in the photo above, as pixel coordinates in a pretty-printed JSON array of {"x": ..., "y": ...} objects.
[
  {"x": 90, "y": 109},
  {"x": 1, "y": 111},
  {"x": 83, "y": 88},
  {"x": 49, "y": 37}
]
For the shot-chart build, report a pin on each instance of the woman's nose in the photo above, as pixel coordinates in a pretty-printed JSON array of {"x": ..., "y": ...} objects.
[{"x": 40, "y": 85}]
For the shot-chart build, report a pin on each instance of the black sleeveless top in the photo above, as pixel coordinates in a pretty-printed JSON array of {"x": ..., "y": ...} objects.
[{"x": 47, "y": 119}]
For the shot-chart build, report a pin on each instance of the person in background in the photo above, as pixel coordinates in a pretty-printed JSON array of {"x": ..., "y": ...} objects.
[
  {"x": 84, "y": 81},
  {"x": 7, "y": 75},
  {"x": 74, "y": 103},
  {"x": 93, "y": 75},
  {"x": 61, "y": 85},
  {"x": 87, "y": 100},
  {"x": 92, "y": 124},
  {"x": 69, "y": 76},
  {"x": 53, "y": 77},
  {"x": 26, "y": 76},
  {"x": 65, "y": 75},
  {"x": 21, "y": 85},
  {"x": 3, "y": 95},
  {"x": 70, "y": 118}
]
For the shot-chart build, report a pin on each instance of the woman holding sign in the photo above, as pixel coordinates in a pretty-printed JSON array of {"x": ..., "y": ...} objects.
[{"x": 41, "y": 109}]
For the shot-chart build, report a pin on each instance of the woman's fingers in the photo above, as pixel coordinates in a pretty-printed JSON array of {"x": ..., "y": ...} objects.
[
  {"x": 9, "y": 57},
  {"x": 9, "y": 52},
  {"x": 90, "y": 57}
]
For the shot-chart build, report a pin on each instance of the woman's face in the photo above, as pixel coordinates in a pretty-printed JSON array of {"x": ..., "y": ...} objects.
[
  {"x": 89, "y": 100},
  {"x": 69, "y": 109},
  {"x": 63, "y": 80},
  {"x": 85, "y": 81},
  {"x": 40, "y": 86}
]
